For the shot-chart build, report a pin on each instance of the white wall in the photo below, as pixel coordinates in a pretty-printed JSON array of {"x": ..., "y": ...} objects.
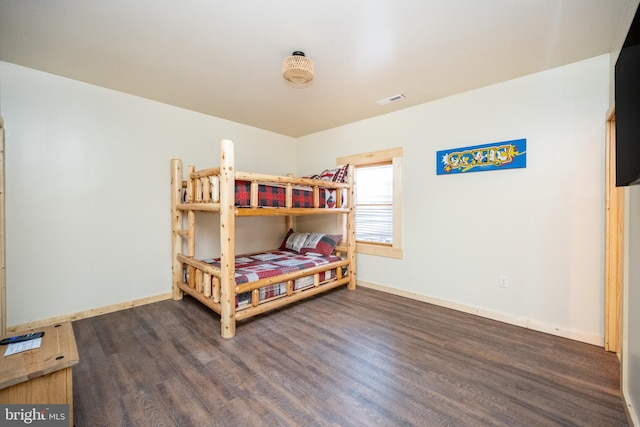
[
  {"x": 88, "y": 200},
  {"x": 87, "y": 190},
  {"x": 541, "y": 226}
]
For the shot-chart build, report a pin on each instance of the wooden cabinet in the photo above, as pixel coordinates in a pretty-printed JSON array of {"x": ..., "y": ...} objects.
[{"x": 42, "y": 375}]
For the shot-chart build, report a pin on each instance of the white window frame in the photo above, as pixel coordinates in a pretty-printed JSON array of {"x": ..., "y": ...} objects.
[{"x": 394, "y": 156}]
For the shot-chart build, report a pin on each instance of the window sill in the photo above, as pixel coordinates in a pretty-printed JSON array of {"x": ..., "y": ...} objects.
[{"x": 378, "y": 250}]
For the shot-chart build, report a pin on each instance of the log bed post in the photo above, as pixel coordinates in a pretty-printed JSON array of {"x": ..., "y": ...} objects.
[
  {"x": 191, "y": 215},
  {"x": 176, "y": 225},
  {"x": 289, "y": 220},
  {"x": 227, "y": 241},
  {"x": 289, "y": 223}
]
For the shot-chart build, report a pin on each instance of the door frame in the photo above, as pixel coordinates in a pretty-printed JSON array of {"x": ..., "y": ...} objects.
[{"x": 614, "y": 243}]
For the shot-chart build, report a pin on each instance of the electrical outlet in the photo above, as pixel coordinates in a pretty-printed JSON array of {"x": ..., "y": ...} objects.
[{"x": 503, "y": 281}]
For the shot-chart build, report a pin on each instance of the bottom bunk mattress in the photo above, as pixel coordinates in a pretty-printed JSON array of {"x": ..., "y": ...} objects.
[{"x": 250, "y": 268}]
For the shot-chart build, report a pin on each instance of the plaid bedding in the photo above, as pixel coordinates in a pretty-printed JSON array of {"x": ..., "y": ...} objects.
[
  {"x": 271, "y": 291},
  {"x": 275, "y": 196},
  {"x": 250, "y": 268}
]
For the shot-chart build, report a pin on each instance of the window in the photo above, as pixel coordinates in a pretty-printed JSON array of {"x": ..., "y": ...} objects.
[
  {"x": 378, "y": 201},
  {"x": 374, "y": 203}
]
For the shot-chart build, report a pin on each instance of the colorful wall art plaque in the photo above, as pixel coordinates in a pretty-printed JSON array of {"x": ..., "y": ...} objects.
[{"x": 497, "y": 155}]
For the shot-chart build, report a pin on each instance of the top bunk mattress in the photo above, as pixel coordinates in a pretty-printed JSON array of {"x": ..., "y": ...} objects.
[{"x": 272, "y": 196}]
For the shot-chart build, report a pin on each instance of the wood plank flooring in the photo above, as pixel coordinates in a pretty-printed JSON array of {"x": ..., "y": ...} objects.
[{"x": 344, "y": 358}]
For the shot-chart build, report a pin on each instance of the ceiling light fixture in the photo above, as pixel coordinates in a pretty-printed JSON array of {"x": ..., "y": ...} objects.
[{"x": 297, "y": 70}]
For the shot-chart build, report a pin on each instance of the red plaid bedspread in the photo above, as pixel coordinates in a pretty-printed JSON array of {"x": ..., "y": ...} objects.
[
  {"x": 250, "y": 268},
  {"x": 275, "y": 197}
]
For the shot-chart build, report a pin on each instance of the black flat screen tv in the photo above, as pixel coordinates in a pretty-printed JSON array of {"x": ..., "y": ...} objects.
[{"x": 627, "y": 98}]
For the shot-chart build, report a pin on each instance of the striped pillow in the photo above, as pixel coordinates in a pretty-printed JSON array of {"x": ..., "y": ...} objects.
[{"x": 320, "y": 244}]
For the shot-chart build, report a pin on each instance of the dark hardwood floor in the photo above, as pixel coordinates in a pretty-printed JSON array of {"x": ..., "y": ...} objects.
[{"x": 344, "y": 358}]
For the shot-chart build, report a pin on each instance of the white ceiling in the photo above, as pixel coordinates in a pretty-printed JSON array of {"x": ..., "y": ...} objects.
[{"x": 224, "y": 58}]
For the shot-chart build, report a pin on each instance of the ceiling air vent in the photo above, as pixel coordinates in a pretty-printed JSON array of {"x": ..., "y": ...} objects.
[{"x": 390, "y": 99}]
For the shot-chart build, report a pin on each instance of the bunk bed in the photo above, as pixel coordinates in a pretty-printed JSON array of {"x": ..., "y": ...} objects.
[{"x": 241, "y": 286}]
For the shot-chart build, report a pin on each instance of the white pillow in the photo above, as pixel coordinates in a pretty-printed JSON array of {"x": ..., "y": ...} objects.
[
  {"x": 296, "y": 240},
  {"x": 312, "y": 241}
]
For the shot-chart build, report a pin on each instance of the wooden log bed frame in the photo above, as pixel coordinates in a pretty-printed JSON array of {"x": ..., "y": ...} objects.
[{"x": 216, "y": 287}]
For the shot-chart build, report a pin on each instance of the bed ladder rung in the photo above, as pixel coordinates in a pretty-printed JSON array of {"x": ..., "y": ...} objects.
[
  {"x": 316, "y": 196},
  {"x": 199, "y": 280},
  {"x": 216, "y": 289},
  {"x": 199, "y": 192},
  {"x": 288, "y": 201},
  {"x": 190, "y": 189},
  {"x": 206, "y": 283},
  {"x": 253, "y": 194},
  {"x": 215, "y": 189},
  {"x": 192, "y": 277},
  {"x": 206, "y": 189}
]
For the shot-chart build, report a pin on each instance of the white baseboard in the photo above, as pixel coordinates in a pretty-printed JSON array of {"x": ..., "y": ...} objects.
[
  {"x": 632, "y": 413},
  {"x": 489, "y": 314},
  {"x": 88, "y": 313}
]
